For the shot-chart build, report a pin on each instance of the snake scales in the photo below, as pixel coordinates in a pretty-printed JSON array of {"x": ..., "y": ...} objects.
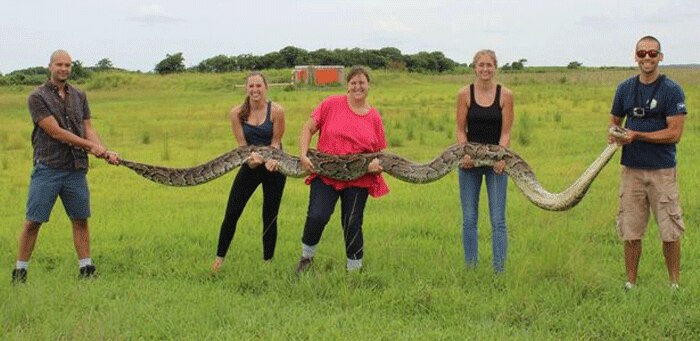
[{"x": 348, "y": 167}]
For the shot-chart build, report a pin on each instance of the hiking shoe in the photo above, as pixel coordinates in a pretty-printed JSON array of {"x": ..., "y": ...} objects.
[
  {"x": 19, "y": 276},
  {"x": 304, "y": 264},
  {"x": 87, "y": 271}
]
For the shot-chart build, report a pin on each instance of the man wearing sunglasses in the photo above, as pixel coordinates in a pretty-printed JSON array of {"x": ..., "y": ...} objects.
[{"x": 653, "y": 109}]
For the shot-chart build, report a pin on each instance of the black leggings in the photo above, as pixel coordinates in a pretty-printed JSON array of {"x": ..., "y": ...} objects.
[
  {"x": 322, "y": 200},
  {"x": 245, "y": 183}
]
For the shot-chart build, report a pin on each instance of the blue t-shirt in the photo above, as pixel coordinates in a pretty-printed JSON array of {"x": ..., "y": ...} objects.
[{"x": 668, "y": 100}]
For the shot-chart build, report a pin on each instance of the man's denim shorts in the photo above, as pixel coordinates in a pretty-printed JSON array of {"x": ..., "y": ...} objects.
[{"x": 48, "y": 183}]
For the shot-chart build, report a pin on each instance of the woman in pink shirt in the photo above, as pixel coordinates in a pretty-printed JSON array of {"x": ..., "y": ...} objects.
[{"x": 347, "y": 124}]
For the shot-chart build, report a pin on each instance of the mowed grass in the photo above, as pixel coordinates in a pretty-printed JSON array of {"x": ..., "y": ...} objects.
[{"x": 154, "y": 245}]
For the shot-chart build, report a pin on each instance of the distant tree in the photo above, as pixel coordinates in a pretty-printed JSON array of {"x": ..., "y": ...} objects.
[
  {"x": 104, "y": 65},
  {"x": 339, "y": 57},
  {"x": 396, "y": 65},
  {"x": 78, "y": 71},
  {"x": 353, "y": 56},
  {"x": 218, "y": 64},
  {"x": 391, "y": 54},
  {"x": 429, "y": 62},
  {"x": 324, "y": 57},
  {"x": 30, "y": 76},
  {"x": 294, "y": 56},
  {"x": 37, "y": 70},
  {"x": 416, "y": 63},
  {"x": 374, "y": 59},
  {"x": 249, "y": 62},
  {"x": 519, "y": 65},
  {"x": 289, "y": 56},
  {"x": 574, "y": 65},
  {"x": 171, "y": 64},
  {"x": 442, "y": 63},
  {"x": 272, "y": 60}
]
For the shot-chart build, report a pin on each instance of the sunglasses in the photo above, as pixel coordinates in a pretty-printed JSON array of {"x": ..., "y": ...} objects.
[{"x": 650, "y": 53}]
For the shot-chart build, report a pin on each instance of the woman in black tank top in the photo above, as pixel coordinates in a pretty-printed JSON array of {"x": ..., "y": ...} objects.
[
  {"x": 484, "y": 115},
  {"x": 260, "y": 122}
]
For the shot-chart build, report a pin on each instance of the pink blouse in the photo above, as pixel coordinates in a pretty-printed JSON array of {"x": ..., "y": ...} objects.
[{"x": 342, "y": 132}]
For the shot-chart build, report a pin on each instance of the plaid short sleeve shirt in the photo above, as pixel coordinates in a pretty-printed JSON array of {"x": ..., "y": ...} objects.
[{"x": 70, "y": 113}]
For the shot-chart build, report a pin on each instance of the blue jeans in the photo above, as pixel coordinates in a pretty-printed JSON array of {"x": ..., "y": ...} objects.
[{"x": 469, "y": 189}]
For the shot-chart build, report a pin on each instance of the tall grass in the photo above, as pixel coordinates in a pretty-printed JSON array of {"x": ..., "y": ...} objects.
[{"x": 153, "y": 245}]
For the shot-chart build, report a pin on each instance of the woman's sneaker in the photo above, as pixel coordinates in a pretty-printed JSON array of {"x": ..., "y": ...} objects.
[
  {"x": 87, "y": 271},
  {"x": 304, "y": 264},
  {"x": 19, "y": 276}
]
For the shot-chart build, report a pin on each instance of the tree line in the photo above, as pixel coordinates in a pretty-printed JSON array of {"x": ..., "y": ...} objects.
[
  {"x": 389, "y": 58},
  {"x": 290, "y": 56},
  {"x": 39, "y": 74}
]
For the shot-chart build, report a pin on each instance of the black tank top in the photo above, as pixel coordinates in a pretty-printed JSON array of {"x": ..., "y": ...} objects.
[
  {"x": 484, "y": 123},
  {"x": 260, "y": 135}
]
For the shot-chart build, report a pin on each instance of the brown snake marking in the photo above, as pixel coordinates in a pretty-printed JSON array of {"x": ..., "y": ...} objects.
[{"x": 349, "y": 167}]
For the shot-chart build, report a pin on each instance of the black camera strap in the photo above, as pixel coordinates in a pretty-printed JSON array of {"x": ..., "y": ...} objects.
[{"x": 653, "y": 93}]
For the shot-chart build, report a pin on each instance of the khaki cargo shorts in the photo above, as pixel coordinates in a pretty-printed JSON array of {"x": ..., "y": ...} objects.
[{"x": 642, "y": 190}]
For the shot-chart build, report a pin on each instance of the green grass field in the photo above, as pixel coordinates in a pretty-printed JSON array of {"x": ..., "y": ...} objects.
[{"x": 153, "y": 245}]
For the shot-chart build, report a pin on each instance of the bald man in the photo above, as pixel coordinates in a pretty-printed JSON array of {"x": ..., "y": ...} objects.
[{"x": 62, "y": 138}]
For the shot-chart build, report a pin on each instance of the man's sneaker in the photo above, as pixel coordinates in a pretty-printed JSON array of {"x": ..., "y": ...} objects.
[
  {"x": 629, "y": 286},
  {"x": 19, "y": 276},
  {"x": 87, "y": 271},
  {"x": 304, "y": 264}
]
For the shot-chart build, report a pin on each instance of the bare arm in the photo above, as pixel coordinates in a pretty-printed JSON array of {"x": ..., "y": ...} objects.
[
  {"x": 237, "y": 126},
  {"x": 277, "y": 117},
  {"x": 462, "y": 112},
  {"x": 310, "y": 128},
  {"x": 508, "y": 103},
  {"x": 90, "y": 144},
  {"x": 463, "y": 101},
  {"x": 671, "y": 134},
  {"x": 91, "y": 135},
  {"x": 616, "y": 122},
  {"x": 90, "y": 132}
]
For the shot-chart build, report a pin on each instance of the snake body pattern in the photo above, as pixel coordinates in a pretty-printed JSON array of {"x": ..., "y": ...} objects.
[{"x": 349, "y": 167}]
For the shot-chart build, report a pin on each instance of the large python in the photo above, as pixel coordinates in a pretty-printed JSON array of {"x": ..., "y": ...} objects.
[{"x": 349, "y": 167}]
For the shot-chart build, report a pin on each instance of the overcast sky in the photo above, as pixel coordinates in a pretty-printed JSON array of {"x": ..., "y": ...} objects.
[{"x": 136, "y": 35}]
